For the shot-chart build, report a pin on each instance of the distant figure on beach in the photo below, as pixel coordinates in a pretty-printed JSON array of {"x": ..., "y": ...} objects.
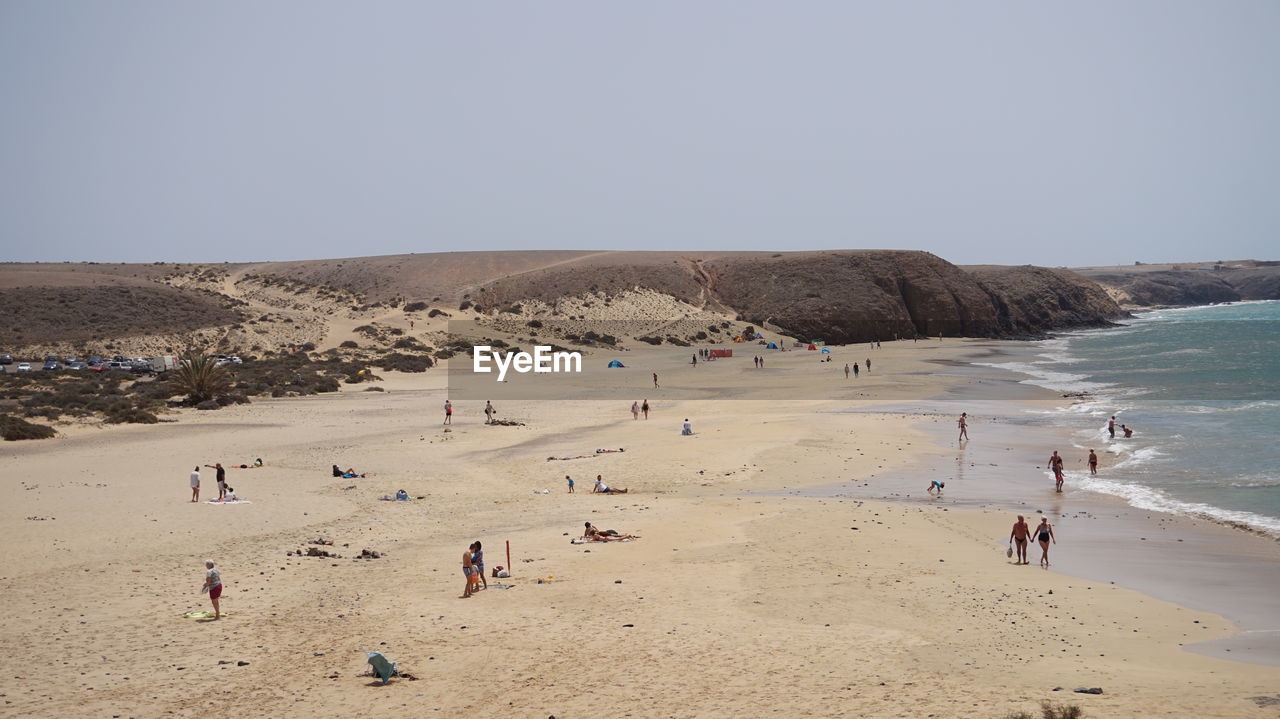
[
  {"x": 846, "y": 370},
  {"x": 855, "y": 370},
  {"x": 336, "y": 471},
  {"x": 645, "y": 408},
  {"x": 1093, "y": 462},
  {"x": 213, "y": 585},
  {"x": 602, "y": 488},
  {"x": 488, "y": 412},
  {"x": 257, "y": 462},
  {"x": 1055, "y": 464},
  {"x": 1044, "y": 533},
  {"x": 569, "y": 479},
  {"x": 688, "y": 427},
  {"x": 635, "y": 410},
  {"x": 448, "y": 412},
  {"x": 1111, "y": 426},
  {"x": 655, "y": 380},
  {"x": 222, "y": 479},
  {"x": 477, "y": 563},
  {"x": 605, "y": 535},
  {"x": 964, "y": 425},
  {"x": 868, "y": 364},
  {"x": 402, "y": 496},
  {"x": 1128, "y": 431},
  {"x": 1019, "y": 537},
  {"x": 936, "y": 486},
  {"x": 761, "y": 363},
  {"x": 195, "y": 484},
  {"x": 468, "y": 569},
  {"x": 695, "y": 360}
]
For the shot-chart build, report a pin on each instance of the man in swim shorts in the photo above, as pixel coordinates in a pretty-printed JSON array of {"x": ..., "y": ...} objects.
[
  {"x": 1055, "y": 463},
  {"x": 448, "y": 412},
  {"x": 1021, "y": 532},
  {"x": 467, "y": 570},
  {"x": 213, "y": 582},
  {"x": 964, "y": 425},
  {"x": 1111, "y": 426}
]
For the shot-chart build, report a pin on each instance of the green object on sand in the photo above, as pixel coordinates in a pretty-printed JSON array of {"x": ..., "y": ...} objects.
[{"x": 384, "y": 668}]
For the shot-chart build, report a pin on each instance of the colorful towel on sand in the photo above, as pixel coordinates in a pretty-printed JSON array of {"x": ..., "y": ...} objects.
[
  {"x": 200, "y": 615},
  {"x": 229, "y": 501}
]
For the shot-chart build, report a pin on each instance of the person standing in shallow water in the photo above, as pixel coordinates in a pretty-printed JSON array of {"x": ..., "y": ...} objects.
[
  {"x": 964, "y": 425},
  {"x": 1093, "y": 462},
  {"x": 1111, "y": 427}
]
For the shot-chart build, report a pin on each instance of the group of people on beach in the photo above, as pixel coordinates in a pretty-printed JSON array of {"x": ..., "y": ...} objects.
[
  {"x": 225, "y": 493},
  {"x": 1022, "y": 532},
  {"x": 473, "y": 570},
  {"x": 489, "y": 412},
  {"x": 639, "y": 408}
]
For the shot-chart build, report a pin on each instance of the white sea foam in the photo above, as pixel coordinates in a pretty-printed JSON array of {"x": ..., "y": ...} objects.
[
  {"x": 1047, "y": 378},
  {"x": 1144, "y": 497}
]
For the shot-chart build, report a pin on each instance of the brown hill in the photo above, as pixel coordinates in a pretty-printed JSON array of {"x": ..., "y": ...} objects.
[
  {"x": 840, "y": 296},
  {"x": 1189, "y": 283}
]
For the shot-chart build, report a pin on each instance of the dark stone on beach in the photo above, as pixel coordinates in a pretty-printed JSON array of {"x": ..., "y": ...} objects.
[
  {"x": 1057, "y": 689},
  {"x": 617, "y": 581},
  {"x": 1051, "y": 591},
  {"x": 1095, "y": 690},
  {"x": 628, "y": 625},
  {"x": 242, "y": 663},
  {"x": 224, "y": 661}
]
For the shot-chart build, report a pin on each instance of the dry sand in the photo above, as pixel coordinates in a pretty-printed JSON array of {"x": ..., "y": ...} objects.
[{"x": 735, "y": 603}]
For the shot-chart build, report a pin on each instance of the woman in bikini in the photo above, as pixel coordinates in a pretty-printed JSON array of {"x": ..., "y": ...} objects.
[{"x": 1044, "y": 533}]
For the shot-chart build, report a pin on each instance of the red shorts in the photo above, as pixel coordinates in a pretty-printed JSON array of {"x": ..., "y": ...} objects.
[{"x": 216, "y": 591}]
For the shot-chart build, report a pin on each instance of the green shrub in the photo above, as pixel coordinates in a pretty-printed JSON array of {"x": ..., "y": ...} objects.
[
  {"x": 404, "y": 363},
  {"x": 15, "y": 428},
  {"x": 650, "y": 340},
  {"x": 350, "y": 345},
  {"x": 415, "y": 307},
  {"x": 133, "y": 415}
]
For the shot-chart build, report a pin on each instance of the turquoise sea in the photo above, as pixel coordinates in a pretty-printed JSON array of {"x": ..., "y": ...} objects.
[{"x": 1201, "y": 388}]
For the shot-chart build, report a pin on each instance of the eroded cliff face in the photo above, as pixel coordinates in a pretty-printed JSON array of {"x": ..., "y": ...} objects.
[
  {"x": 843, "y": 296},
  {"x": 1162, "y": 286}
]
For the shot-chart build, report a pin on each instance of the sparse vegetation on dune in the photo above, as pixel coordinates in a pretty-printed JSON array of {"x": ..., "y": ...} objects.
[{"x": 16, "y": 428}]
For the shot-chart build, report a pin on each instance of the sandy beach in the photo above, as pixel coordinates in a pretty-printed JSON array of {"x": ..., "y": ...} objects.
[{"x": 755, "y": 589}]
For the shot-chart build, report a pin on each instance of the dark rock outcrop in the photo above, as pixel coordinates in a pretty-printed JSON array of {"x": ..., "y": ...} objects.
[
  {"x": 1031, "y": 300},
  {"x": 1174, "y": 286}
]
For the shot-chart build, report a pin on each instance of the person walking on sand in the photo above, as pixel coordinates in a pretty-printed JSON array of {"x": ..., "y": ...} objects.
[
  {"x": 635, "y": 410},
  {"x": 488, "y": 412},
  {"x": 1093, "y": 462},
  {"x": 846, "y": 370},
  {"x": 222, "y": 479},
  {"x": 195, "y": 484},
  {"x": 695, "y": 360},
  {"x": 448, "y": 412},
  {"x": 1111, "y": 426},
  {"x": 868, "y": 364},
  {"x": 213, "y": 585},
  {"x": 645, "y": 408},
  {"x": 655, "y": 380},
  {"x": 964, "y": 426},
  {"x": 477, "y": 563},
  {"x": 1055, "y": 464},
  {"x": 467, "y": 570},
  {"x": 855, "y": 370},
  {"x": 569, "y": 479},
  {"x": 1044, "y": 533},
  {"x": 1021, "y": 532}
]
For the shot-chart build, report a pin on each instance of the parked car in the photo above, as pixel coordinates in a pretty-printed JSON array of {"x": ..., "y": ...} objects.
[
  {"x": 76, "y": 365},
  {"x": 118, "y": 365},
  {"x": 52, "y": 365},
  {"x": 24, "y": 367},
  {"x": 6, "y": 359},
  {"x": 95, "y": 359},
  {"x": 69, "y": 359},
  {"x": 100, "y": 367}
]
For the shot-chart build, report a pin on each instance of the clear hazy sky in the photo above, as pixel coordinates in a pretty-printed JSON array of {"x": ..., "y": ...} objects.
[{"x": 1056, "y": 133}]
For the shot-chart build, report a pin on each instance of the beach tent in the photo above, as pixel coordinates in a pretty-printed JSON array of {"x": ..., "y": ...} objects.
[
  {"x": 813, "y": 347},
  {"x": 759, "y": 336},
  {"x": 720, "y": 353},
  {"x": 772, "y": 346},
  {"x": 616, "y": 363},
  {"x": 737, "y": 339},
  {"x": 826, "y": 350}
]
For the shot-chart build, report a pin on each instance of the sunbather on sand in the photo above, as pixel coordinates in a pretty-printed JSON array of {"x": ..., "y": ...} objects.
[
  {"x": 602, "y": 488},
  {"x": 609, "y": 451},
  {"x": 606, "y": 535}
]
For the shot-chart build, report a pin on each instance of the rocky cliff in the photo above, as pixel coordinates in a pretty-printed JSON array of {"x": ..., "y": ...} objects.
[
  {"x": 1179, "y": 286},
  {"x": 838, "y": 296}
]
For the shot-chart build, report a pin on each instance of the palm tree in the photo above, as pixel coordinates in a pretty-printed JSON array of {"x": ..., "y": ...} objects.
[{"x": 200, "y": 377}]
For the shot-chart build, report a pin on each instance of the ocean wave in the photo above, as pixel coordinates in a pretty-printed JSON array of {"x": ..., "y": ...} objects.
[
  {"x": 1047, "y": 378},
  {"x": 1144, "y": 497},
  {"x": 1227, "y": 406},
  {"x": 1136, "y": 457}
]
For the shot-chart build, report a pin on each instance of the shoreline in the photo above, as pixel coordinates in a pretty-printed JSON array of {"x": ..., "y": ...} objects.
[
  {"x": 761, "y": 594},
  {"x": 1236, "y": 568}
]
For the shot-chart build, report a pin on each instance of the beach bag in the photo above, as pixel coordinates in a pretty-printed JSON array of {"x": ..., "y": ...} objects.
[{"x": 1009, "y": 552}]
